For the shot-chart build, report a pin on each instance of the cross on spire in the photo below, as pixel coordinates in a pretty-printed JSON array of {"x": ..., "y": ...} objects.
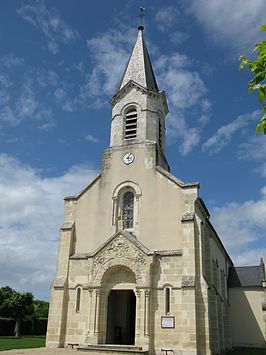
[{"x": 141, "y": 15}]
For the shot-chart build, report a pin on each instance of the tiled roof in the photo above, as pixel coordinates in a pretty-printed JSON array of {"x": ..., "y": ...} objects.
[{"x": 245, "y": 276}]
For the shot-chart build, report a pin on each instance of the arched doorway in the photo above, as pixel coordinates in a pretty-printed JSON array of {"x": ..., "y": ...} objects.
[
  {"x": 118, "y": 311},
  {"x": 121, "y": 317}
]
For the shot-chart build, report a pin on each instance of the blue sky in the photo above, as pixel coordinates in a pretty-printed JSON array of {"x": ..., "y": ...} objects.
[{"x": 61, "y": 62}]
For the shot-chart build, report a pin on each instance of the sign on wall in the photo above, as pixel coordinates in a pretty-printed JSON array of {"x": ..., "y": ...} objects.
[{"x": 167, "y": 322}]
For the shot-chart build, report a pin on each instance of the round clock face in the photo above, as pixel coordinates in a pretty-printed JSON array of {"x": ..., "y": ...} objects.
[{"x": 128, "y": 158}]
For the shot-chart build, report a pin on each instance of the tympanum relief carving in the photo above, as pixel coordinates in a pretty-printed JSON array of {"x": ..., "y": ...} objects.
[{"x": 120, "y": 251}]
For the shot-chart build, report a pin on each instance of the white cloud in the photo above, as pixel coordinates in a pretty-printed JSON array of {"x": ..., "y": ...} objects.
[
  {"x": 185, "y": 88},
  {"x": 27, "y": 103},
  {"x": 67, "y": 104},
  {"x": 7, "y": 115},
  {"x": 109, "y": 52},
  {"x": 111, "y": 60},
  {"x": 5, "y": 85},
  {"x": 31, "y": 213},
  {"x": 254, "y": 150},
  {"x": 178, "y": 37},
  {"x": 50, "y": 23},
  {"x": 44, "y": 77},
  {"x": 250, "y": 257},
  {"x": 166, "y": 18},
  {"x": 10, "y": 60},
  {"x": 5, "y": 81},
  {"x": 4, "y": 97},
  {"x": 225, "y": 133},
  {"x": 186, "y": 92},
  {"x": 27, "y": 96},
  {"x": 235, "y": 23},
  {"x": 242, "y": 227},
  {"x": 92, "y": 139}
]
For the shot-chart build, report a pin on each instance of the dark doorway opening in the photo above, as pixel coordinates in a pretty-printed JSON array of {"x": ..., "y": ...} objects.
[{"x": 121, "y": 317}]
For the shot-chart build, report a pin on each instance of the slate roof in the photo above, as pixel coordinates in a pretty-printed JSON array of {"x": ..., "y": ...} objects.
[
  {"x": 139, "y": 68},
  {"x": 245, "y": 276}
]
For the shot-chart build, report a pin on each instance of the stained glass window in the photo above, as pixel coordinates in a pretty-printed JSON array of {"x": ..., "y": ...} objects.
[{"x": 128, "y": 210}]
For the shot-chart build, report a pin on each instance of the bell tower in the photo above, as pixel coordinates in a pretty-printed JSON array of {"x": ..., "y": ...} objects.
[{"x": 138, "y": 107}]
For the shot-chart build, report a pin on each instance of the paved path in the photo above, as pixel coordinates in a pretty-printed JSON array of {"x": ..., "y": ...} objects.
[{"x": 40, "y": 351}]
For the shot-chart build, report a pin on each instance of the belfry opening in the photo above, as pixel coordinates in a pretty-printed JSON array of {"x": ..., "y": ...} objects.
[{"x": 121, "y": 317}]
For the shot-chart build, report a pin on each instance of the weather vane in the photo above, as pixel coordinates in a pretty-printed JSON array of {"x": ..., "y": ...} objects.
[{"x": 141, "y": 15}]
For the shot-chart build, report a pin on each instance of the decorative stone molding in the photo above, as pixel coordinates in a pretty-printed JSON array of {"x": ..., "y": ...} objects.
[
  {"x": 67, "y": 226},
  {"x": 169, "y": 252},
  {"x": 128, "y": 87},
  {"x": 188, "y": 281},
  {"x": 121, "y": 251},
  {"x": 79, "y": 256},
  {"x": 125, "y": 184},
  {"x": 74, "y": 285},
  {"x": 119, "y": 248},
  {"x": 118, "y": 275},
  {"x": 100, "y": 271},
  {"x": 188, "y": 217},
  {"x": 59, "y": 282}
]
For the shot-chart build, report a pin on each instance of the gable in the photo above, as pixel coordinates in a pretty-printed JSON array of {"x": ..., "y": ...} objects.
[{"x": 122, "y": 250}]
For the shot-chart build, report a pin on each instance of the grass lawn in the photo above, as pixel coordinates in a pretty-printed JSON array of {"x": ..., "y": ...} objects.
[
  {"x": 247, "y": 351},
  {"x": 8, "y": 343}
]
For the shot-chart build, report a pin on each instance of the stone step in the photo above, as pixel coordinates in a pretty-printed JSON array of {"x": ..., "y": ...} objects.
[{"x": 113, "y": 348}]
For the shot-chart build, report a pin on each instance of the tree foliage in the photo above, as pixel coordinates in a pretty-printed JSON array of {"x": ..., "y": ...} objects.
[
  {"x": 41, "y": 309},
  {"x": 258, "y": 69},
  {"x": 16, "y": 305}
]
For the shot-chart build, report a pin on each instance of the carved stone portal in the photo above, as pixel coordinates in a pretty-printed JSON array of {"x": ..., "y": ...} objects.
[{"x": 120, "y": 252}]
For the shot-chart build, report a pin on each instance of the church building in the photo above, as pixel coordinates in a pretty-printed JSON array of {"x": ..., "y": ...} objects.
[{"x": 141, "y": 269}]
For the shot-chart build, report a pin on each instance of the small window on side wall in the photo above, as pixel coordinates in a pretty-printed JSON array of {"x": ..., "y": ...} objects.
[
  {"x": 78, "y": 292},
  {"x": 167, "y": 300}
]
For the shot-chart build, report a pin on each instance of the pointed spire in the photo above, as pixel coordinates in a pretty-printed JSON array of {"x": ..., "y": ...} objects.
[{"x": 139, "y": 68}]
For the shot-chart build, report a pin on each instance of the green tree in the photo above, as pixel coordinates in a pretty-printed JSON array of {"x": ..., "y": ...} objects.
[
  {"x": 258, "y": 69},
  {"x": 16, "y": 305},
  {"x": 5, "y": 293},
  {"x": 41, "y": 309}
]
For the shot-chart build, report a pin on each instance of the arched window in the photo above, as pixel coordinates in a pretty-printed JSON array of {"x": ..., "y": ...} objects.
[
  {"x": 167, "y": 300},
  {"x": 128, "y": 210},
  {"x": 131, "y": 123},
  {"x": 126, "y": 207},
  {"x": 78, "y": 299}
]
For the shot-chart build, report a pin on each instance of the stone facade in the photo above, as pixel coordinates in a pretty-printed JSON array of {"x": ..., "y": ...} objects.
[{"x": 158, "y": 282}]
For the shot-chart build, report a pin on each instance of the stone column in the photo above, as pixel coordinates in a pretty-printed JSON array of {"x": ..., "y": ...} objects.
[
  {"x": 138, "y": 312},
  {"x": 115, "y": 215},
  {"x": 90, "y": 327},
  {"x": 92, "y": 335},
  {"x": 97, "y": 311},
  {"x": 142, "y": 318},
  {"x": 147, "y": 314}
]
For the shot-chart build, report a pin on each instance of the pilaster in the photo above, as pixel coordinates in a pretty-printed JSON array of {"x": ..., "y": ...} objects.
[{"x": 56, "y": 328}]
